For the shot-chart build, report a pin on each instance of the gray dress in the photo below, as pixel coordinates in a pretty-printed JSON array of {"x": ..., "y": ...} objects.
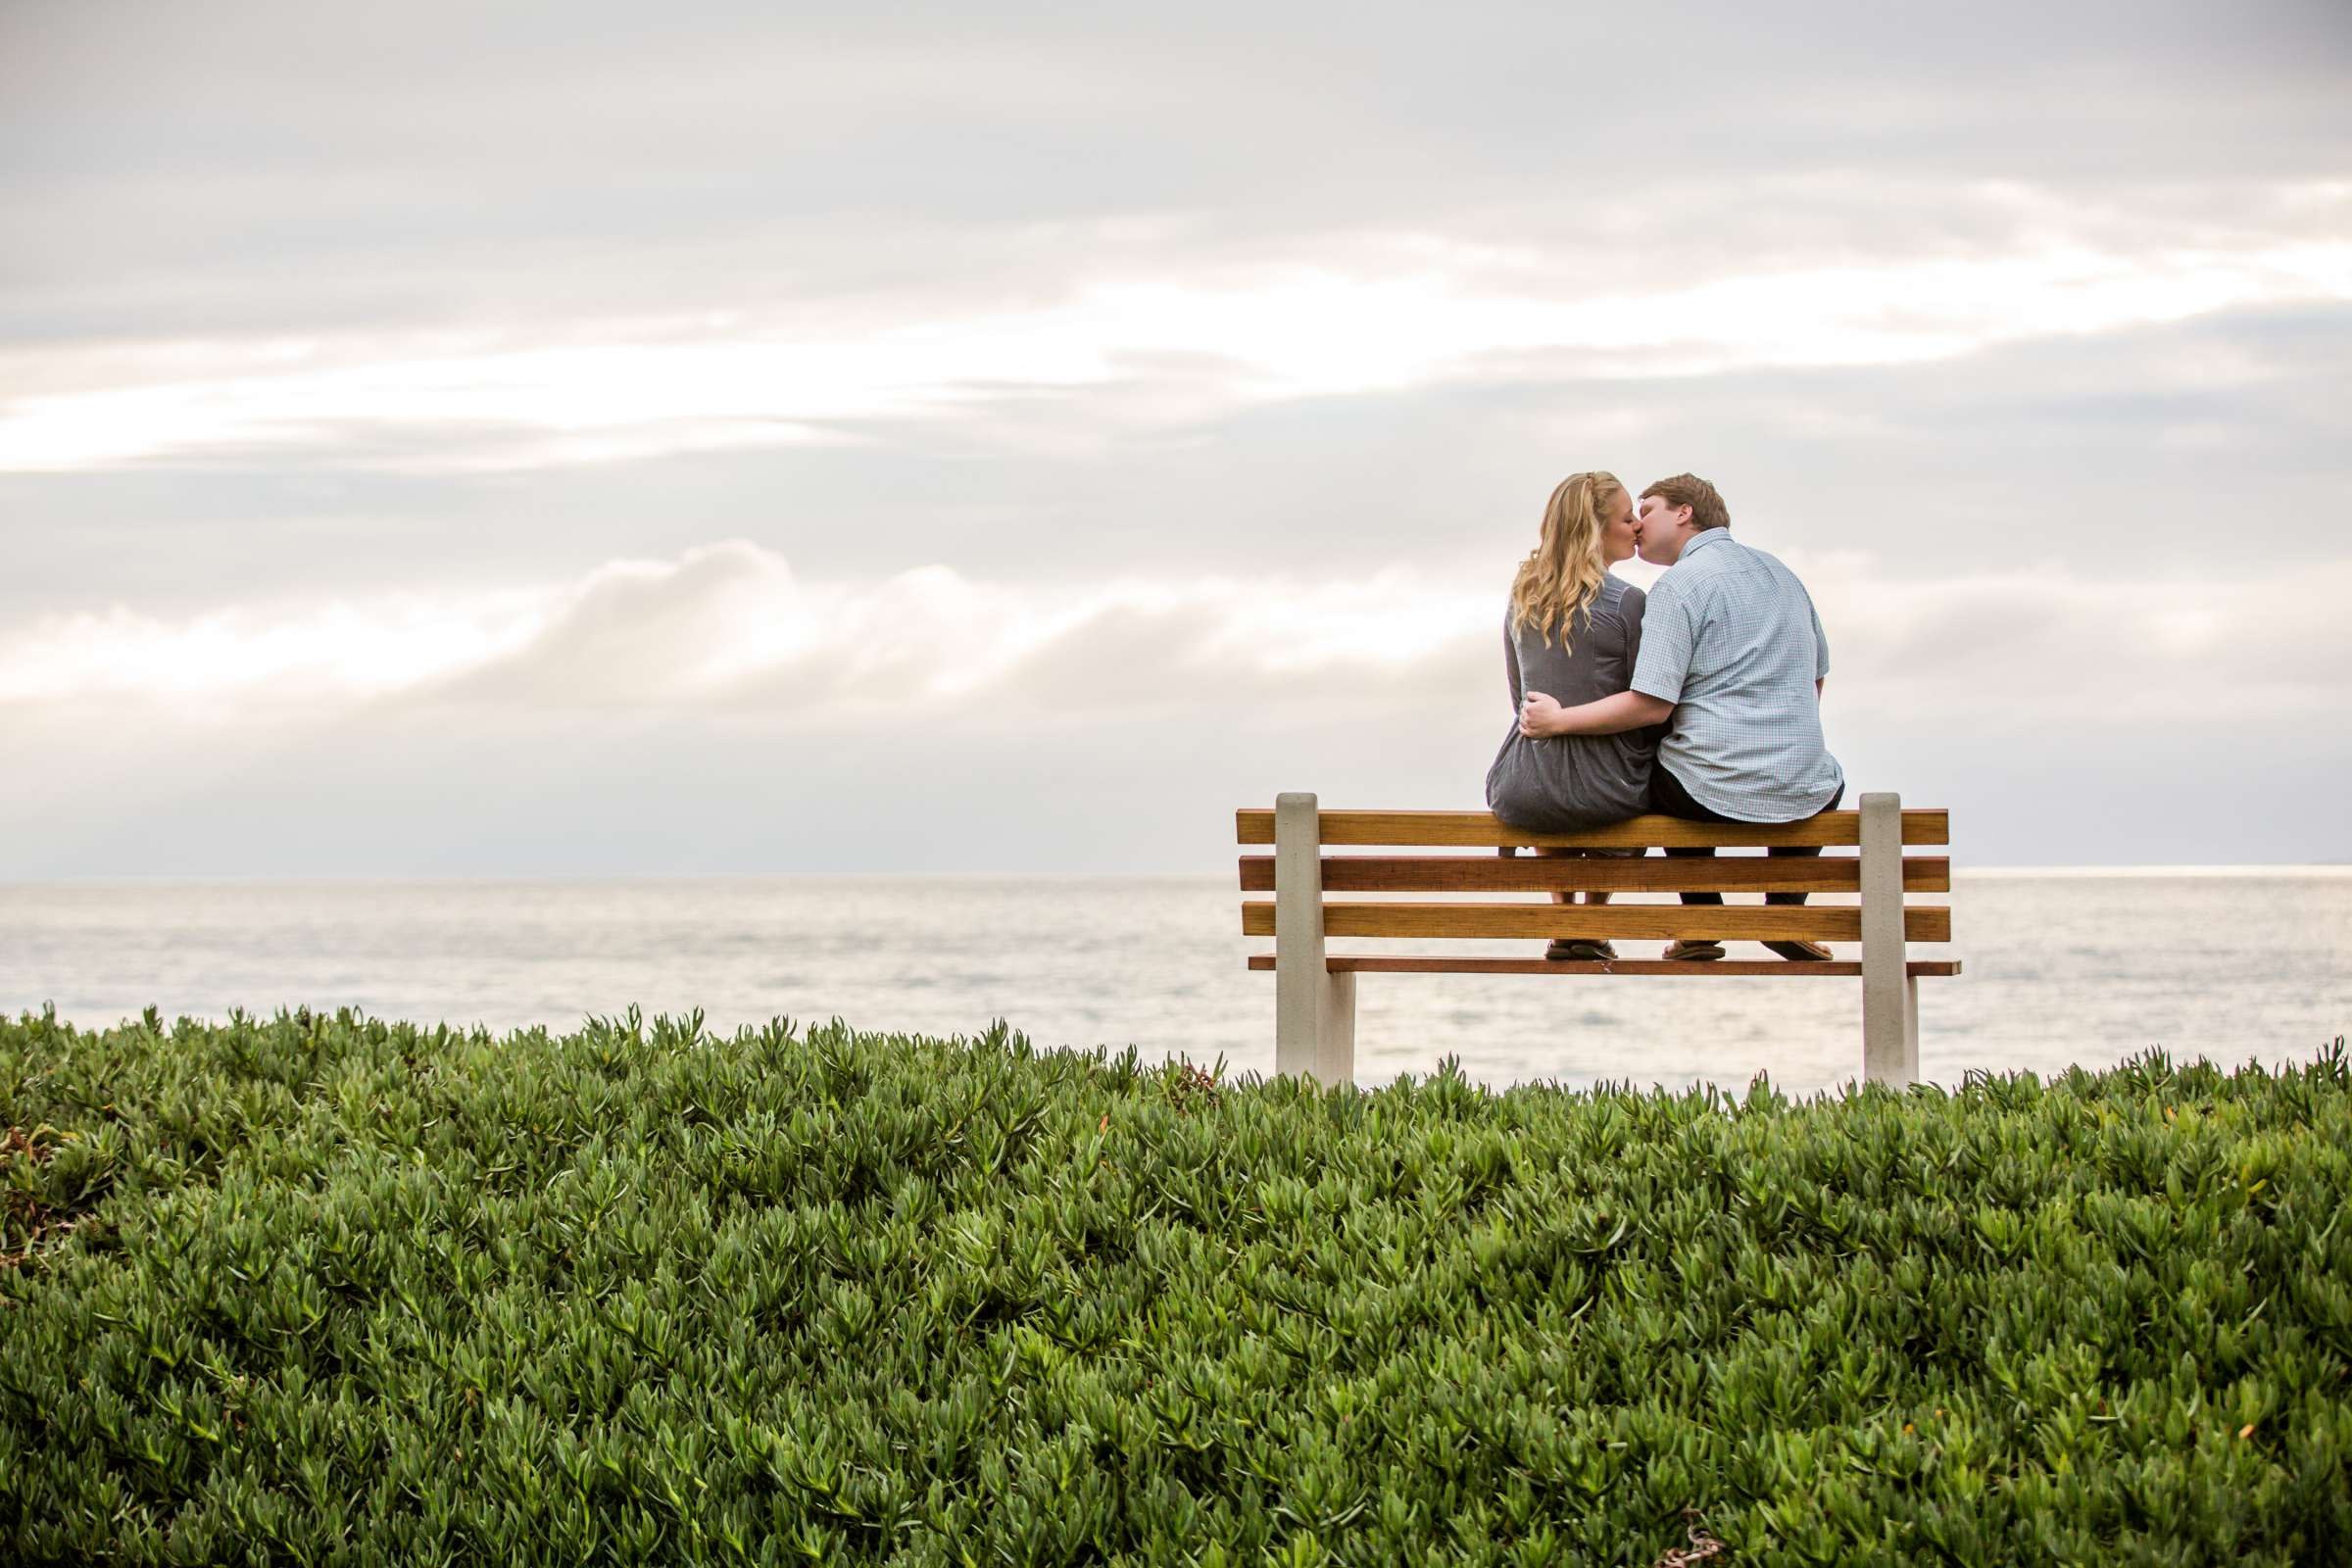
[{"x": 1565, "y": 783}]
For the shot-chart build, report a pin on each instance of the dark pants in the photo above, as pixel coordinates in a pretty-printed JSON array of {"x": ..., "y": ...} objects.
[{"x": 1667, "y": 794}]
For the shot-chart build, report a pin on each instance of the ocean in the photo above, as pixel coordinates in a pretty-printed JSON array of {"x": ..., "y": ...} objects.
[{"x": 2062, "y": 968}]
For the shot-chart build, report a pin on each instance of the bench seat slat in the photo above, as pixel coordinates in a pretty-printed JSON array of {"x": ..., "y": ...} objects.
[
  {"x": 1771, "y": 968},
  {"x": 1638, "y": 922},
  {"x": 1549, "y": 873},
  {"x": 1481, "y": 830}
]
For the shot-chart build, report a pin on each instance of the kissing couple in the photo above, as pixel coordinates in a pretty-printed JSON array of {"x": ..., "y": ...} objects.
[{"x": 1700, "y": 700}]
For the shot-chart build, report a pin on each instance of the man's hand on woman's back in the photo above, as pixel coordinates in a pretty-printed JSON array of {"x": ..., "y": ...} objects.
[{"x": 1540, "y": 715}]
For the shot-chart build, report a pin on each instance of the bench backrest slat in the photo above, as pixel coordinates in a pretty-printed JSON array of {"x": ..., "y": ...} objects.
[
  {"x": 1548, "y": 873},
  {"x": 1481, "y": 830},
  {"x": 1638, "y": 922}
]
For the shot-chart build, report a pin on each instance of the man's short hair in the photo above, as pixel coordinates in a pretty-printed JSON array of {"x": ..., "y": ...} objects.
[{"x": 1708, "y": 510}]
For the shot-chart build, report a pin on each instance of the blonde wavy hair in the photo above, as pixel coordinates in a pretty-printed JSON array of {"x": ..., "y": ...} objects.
[{"x": 1561, "y": 576}]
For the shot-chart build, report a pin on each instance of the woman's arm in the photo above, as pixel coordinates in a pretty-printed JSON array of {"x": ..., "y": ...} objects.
[{"x": 1510, "y": 660}]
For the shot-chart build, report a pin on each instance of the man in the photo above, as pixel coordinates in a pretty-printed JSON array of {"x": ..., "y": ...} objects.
[{"x": 1733, "y": 655}]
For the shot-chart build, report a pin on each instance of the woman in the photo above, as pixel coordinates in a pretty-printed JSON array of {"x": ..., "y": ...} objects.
[{"x": 1573, "y": 634}]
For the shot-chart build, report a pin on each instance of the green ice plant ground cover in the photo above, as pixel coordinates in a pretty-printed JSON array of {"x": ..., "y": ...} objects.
[{"x": 331, "y": 1290}]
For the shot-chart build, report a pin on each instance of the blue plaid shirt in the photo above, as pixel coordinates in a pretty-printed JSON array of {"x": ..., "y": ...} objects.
[{"x": 1731, "y": 639}]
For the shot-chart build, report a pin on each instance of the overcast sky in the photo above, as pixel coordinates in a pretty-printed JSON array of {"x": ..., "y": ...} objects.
[{"x": 595, "y": 438}]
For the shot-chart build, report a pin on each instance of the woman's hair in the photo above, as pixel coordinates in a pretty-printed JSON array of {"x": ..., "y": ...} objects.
[{"x": 1561, "y": 576}]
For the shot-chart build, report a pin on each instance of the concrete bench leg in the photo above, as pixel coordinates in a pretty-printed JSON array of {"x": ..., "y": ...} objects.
[
  {"x": 1335, "y": 1044},
  {"x": 1890, "y": 993},
  {"x": 1314, "y": 1010}
]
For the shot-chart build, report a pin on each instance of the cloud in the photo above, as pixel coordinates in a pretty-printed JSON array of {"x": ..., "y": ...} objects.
[
  {"x": 1294, "y": 332},
  {"x": 551, "y": 243},
  {"x": 715, "y": 711},
  {"x": 729, "y": 632},
  {"x": 238, "y": 661},
  {"x": 2154, "y": 449},
  {"x": 2050, "y": 652}
]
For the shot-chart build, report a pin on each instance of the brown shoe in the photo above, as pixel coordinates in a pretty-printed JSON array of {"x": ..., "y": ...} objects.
[
  {"x": 1812, "y": 951},
  {"x": 1578, "y": 949},
  {"x": 1692, "y": 952}
]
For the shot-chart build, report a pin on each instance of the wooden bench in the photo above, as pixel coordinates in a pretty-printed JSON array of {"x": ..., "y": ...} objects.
[{"x": 1315, "y": 991}]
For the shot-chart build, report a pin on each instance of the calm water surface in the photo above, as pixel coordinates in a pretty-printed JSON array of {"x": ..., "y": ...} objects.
[{"x": 2061, "y": 968}]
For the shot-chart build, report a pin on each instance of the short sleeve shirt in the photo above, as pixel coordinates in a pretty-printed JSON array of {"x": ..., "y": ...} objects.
[{"x": 1731, "y": 639}]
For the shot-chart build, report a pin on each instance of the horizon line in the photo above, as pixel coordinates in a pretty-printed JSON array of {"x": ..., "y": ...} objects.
[{"x": 2293, "y": 870}]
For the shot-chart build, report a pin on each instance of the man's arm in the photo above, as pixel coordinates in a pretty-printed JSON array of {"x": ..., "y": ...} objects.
[
  {"x": 1661, "y": 662},
  {"x": 1540, "y": 715}
]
